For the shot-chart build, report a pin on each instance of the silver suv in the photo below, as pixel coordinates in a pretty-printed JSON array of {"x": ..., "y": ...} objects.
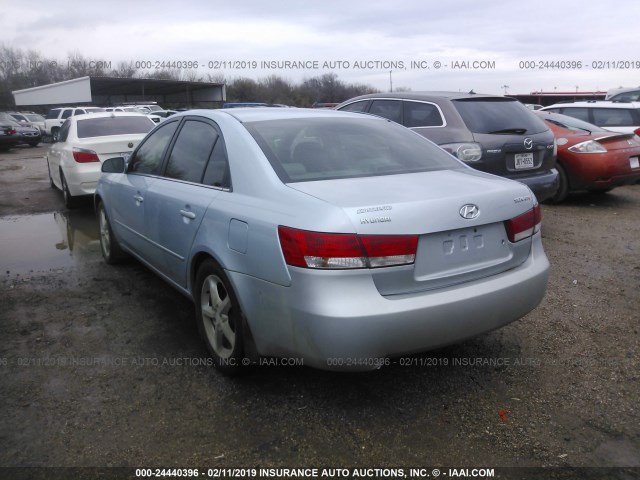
[
  {"x": 491, "y": 133},
  {"x": 56, "y": 117}
]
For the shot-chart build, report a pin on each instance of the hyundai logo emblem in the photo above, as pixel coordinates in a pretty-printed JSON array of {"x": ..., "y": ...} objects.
[
  {"x": 528, "y": 143},
  {"x": 469, "y": 211}
]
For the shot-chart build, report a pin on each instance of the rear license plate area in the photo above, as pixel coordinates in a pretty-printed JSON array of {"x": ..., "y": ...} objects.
[{"x": 523, "y": 161}]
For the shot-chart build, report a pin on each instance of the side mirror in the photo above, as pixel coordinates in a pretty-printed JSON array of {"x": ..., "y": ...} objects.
[{"x": 114, "y": 165}]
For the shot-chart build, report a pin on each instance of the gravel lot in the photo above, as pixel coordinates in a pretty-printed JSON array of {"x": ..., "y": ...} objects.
[{"x": 101, "y": 366}]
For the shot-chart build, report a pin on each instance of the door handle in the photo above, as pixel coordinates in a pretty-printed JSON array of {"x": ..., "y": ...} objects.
[
  {"x": 138, "y": 198},
  {"x": 188, "y": 214}
]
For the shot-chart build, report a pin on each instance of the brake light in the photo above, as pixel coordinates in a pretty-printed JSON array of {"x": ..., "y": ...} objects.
[
  {"x": 12, "y": 131},
  {"x": 80, "y": 155},
  {"x": 637, "y": 131},
  {"x": 307, "y": 249},
  {"x": 525, "y": 225}
]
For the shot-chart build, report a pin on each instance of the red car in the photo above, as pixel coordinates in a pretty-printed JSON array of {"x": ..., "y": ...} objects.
[{"x": 592, "y": 158}]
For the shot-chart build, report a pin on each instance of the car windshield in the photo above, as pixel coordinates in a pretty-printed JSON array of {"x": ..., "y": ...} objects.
[
  {"x": 498, "y": 116},
  {"x": 570, "y": 123},
  {"x": 34, "y": 117},
  {"x": 9, "y": 120},
  {"x": 308, "y": 149},
  {"x": 105, "y": 126}
]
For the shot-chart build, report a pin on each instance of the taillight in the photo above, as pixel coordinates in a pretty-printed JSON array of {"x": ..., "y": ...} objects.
[
  {"x": 12, "y": 131},
  {"x": 306, "y": 249},
  {"x": 525, "y": 225},
  {"x": 637, "y": 131},
  {"x": 80, "y": 155}
]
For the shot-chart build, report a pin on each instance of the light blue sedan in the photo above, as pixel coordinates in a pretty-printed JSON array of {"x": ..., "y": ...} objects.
[{"x": 337, "y": 239}]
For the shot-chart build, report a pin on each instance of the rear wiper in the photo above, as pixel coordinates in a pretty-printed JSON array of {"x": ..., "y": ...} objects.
[{"x": 518, "y": 131}]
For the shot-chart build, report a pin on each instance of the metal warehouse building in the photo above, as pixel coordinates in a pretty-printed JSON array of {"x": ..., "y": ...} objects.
[{"x": 105, "y": 91}]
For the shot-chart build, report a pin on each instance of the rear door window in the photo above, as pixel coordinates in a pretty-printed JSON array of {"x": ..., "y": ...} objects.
[
  {"x": 191, "y": 151},
  {"x": 391, "y": 109},
  {"x": 64, "y": 131},
  {"x": 66, "y": 113},
  {"x": 578, "y": 112},
  {"x": 614, "y": 117},
  {"x": 420, "y": 114}
]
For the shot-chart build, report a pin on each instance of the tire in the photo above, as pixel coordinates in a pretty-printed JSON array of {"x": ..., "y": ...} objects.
[
  {"x": 563, "y": 189},
  {"x": 69, "y": 200},
  {"x": 54, "y": 134},
  {"x": 219, "y": 318},
  {"x": 109, "y": 246}
]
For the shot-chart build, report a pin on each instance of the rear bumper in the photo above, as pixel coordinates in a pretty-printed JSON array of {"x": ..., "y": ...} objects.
[
  {"x": 83, "y": 180},
  {"x": 335, "y": 321},
  {"x": 601, "y": 171},
  {"x": 544, "y": 186}
]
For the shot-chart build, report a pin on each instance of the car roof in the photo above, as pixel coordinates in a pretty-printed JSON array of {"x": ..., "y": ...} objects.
[
  {"x": 598, "y": 104},
  {"x": 256, "y": 114},
  {"x": 426, "y": 95}
]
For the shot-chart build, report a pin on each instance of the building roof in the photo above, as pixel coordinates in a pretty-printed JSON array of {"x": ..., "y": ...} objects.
[{"x": 116, "y": 90}]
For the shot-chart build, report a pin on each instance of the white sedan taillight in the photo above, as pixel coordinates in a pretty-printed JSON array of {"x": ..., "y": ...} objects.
[
  {"x": 82, "y": 155},
  {"x": 307, "y": 249},
  {"x": 525, "y": 225}
]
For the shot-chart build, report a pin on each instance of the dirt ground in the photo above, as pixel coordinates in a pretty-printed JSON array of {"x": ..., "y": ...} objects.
[{"x": 101, "y": 366}]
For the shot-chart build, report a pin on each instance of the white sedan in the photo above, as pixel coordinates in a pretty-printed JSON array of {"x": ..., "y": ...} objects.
[{"x": 85, "y": 141}]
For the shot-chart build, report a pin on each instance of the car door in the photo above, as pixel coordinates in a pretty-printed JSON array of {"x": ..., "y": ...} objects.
[
  {"x": 195, "y": 173},
  {"x": 56, "y": 152},
  {"x": 129, "y": 193}
]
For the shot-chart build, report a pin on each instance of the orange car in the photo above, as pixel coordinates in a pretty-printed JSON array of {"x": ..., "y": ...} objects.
[{"x": 592, "y": 158}]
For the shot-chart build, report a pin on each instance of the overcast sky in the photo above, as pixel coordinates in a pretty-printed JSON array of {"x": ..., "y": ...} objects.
[{"x": 487, "y": 40}]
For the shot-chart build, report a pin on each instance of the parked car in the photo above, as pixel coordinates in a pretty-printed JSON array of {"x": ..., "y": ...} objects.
[
  {"x": 164, "y": 113},
  {"x": 624, "y": 94},
  {"x": 56, "y": 117},
  {"x": 337, "y": 238},
  {"x": 494, "y": 134},
  {"x": 592, "y": 158},
  {"x": 613, "y": 116},
  {"x": 85, "y": 141},
  {"x": 144, "y": 107},
  {"x": 152, "y": 116},
  {"x": 24, "y": 133},
  {"x": 30, "y": 119},
  {"x": 8, "y": 137}
]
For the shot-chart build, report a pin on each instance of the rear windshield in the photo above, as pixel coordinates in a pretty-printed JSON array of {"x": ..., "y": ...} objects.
[
  {"x": 498, "y": 116},
  {"x": 104, "y": 126},
  {"x": 307, "y": 149}
]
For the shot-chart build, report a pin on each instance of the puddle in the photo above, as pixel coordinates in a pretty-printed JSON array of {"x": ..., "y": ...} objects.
[{"x": 48, "y": 241}]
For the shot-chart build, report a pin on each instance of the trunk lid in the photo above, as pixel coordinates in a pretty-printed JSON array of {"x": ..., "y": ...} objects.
[
  {"x": 112, "y": 146},
  {"x": 451, "y": 249}
]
